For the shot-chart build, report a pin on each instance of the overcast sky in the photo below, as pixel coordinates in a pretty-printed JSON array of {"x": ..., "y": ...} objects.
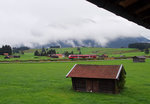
[{"x": 28, "y": 22}]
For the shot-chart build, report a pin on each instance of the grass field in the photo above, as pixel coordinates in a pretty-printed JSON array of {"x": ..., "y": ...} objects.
[
  {"x": 90, "y": 50},
  {"x": 45, "y": 83}
]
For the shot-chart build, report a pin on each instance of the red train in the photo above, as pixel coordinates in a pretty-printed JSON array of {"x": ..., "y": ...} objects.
[{"x": 81, "y": 56}]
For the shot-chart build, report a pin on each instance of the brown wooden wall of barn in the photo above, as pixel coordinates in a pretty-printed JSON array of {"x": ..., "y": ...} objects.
[
  {"x": 138, "y": 60},
  {"x": 94, "y": 85}
]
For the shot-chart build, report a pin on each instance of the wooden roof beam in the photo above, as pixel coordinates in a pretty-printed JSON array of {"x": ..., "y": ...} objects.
[
  {"x": 144, "y": 8},
  {"x": 127, "y": 3},
  {"x": 128, "y": 12},
  {"x": 147, "y": 17},
  {"x": 144, "y": 13}
]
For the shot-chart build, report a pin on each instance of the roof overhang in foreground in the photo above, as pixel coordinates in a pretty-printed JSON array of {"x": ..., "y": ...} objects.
[{"x": 137, "y": 11}]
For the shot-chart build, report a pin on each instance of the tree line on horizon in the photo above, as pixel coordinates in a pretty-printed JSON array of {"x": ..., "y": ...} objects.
[
  {"x": 20, "y": 49},
  {"x": 6, "y": 49},
  {"x": 46, "y": 52},
  {"x": 141, "y": 46}
]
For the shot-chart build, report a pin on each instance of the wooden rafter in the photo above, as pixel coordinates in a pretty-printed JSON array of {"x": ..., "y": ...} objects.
[
  {"x": 142, "y": 9},
  {"x": 126, "y": 3}
]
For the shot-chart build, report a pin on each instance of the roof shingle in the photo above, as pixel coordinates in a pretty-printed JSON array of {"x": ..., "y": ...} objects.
[{"x": 95, "y": 71}]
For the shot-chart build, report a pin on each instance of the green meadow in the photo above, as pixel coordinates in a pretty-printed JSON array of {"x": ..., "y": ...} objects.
[
  {"x": 92, "y": 50},
  {"x": 111, "y": 52},
  {"x": 45, "y": 83},
  {"x": 25, "y": 56}
]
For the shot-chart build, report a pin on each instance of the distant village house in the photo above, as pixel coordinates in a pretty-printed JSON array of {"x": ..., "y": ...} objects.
[
  {"x": 57, "y": 56},
  {"x": 5, "y": 54},
  {"x": 54, "y": 56},
  {"x": 6, "y": 57},
  {"x": 97, "y": 78},
  {"x": 16, "y": 56},
  {"x": 139, "y": 59},
  {"x": 103, "y": 56},
  {"x": 60, "y": 55}
]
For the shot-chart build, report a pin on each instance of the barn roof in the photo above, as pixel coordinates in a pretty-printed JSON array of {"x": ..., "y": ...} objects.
[
  {"x": 133, "y": 10},
  {"x": 95, "y": 71},
  {"x": 59, "y": 54},
  {"x": 139, "y": 57}
]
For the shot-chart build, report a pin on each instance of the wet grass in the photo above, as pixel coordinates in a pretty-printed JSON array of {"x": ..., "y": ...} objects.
[{"x": 45, "y": 83}]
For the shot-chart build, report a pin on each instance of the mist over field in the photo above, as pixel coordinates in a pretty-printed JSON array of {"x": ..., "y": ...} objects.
[{"x": 36, "y": 22}]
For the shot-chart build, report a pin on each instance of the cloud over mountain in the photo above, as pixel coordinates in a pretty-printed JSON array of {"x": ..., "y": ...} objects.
[{"x": 30, "y": 22}]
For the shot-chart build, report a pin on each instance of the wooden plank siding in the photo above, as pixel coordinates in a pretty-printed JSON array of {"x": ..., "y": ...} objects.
[
  {"x": 94, "y": 85},
  {"x": 97, "y": 78},
  {"x": 139, "y": 59},
  {"x": 107, "y": 86}
]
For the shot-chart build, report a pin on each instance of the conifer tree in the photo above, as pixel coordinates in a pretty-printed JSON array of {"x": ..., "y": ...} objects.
[{"x": 146, "y": 51}]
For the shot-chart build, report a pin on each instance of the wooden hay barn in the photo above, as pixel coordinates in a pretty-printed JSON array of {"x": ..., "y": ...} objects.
[
  {"x": 6, "y": 57},
  {"x": 97, "y": 78},
  {"x": 16, "y": 56},
  {"x": 139, "y": 59}
]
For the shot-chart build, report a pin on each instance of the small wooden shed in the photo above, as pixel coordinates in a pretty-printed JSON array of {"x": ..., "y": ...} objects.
[
  {"x": 139, "y": 59},
  {"x": 6, "y": 57},
  {"x": 97, "y": 78},
  {"x": 16, "y": 56}
]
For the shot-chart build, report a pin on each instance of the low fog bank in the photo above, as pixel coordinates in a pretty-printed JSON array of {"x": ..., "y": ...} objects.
[{"x": 35, "y": 22}]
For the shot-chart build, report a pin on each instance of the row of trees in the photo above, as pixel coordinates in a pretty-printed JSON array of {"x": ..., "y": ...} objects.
[
  {"x": 146, "y": 51},
  {"x": 66, "y": 53},
  {"x": 6, "y": 49},
  {"x": 140, "y": 46},
  {"x": 20, "y": 49},
  {"x": 45, "y": 52}
]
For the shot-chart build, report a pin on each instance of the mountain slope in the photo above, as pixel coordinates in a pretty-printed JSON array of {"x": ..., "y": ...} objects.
[
  {"x": 117, "y": 43},
  {"x": 123, "y": 42}
]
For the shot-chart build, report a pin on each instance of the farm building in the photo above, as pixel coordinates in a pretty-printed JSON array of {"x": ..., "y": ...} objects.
[
  {"x": 5, "y": 54},
  {"x": 139, "y": 59},
  {"x": 97, "y": 78},
  {"x": 16, "y": 56},
  {"x": 6, "y": 57},
  {"x": 82, "y": 56},
  {"x": 103, "y": 56},
  {"x": 54, "y": 56},
  {"x": 60, "y": 55},
  {"x": 10, "y": 56}
]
